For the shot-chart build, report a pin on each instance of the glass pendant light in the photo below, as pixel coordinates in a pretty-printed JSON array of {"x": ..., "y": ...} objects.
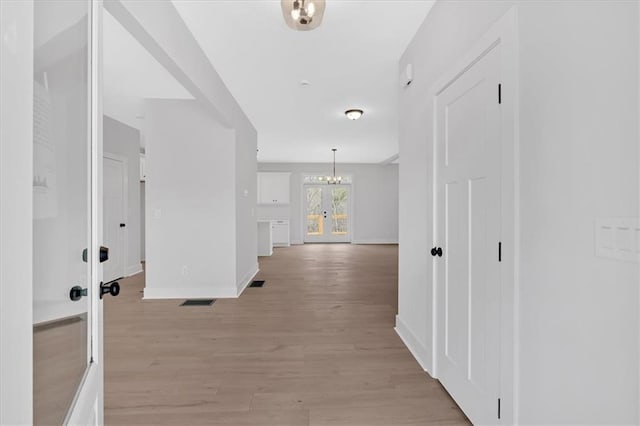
[{"x": 303, "y": 15}]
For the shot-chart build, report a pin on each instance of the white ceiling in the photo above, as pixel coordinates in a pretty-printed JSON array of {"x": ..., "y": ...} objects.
[
  {"x": 131, "y": 74},
  {"x": 351, "y": 61}
]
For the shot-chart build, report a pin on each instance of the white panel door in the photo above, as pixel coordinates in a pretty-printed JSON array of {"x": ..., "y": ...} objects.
[
  {"x": 114, "y": 221},
  {"x": 468, "y": 180}
]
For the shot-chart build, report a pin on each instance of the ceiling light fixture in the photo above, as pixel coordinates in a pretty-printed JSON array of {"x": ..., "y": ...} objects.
[
  {"x": 353, "y": 114},
  {"x": 303, "y": 15},
  {"x": 334, "y": 180}
]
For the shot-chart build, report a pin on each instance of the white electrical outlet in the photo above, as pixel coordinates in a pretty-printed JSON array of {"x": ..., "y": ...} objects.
[{"x": 185, "y": 270}]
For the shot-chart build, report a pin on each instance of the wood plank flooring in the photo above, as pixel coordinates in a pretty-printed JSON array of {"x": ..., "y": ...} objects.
[{"x": 314, "y": 346}]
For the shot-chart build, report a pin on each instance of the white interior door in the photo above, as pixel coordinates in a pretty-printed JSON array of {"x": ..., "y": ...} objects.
[
  {"x": 327, "y": 213},
  {"x": 114, "y": 219},
  {"x": 67, "y": 368},
  {"x": 468, "y": 181}
]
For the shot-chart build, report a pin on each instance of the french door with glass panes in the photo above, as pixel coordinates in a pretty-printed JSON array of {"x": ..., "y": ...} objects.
[
  {"x": 327, "y": 213},
  {"x": 67, "y": 306}
]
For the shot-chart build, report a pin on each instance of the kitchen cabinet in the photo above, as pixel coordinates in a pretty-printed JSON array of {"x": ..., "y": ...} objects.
[
  {"x": 273, "y": 188},
  {"x": 280, "y": 233}
]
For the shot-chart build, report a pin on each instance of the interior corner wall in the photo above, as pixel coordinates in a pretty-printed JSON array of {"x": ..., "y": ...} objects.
[
  {"x": 190, "y": 208},
  {"x": 245, "y": 192},
  {"x": 124, "y": 141},
  {"x": 375, "y": 200},
  {"x": 16, "y": 193},
  {"x": 577, "y": 314}
]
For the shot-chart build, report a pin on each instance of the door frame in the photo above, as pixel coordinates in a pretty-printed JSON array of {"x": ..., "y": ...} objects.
[
  {"x": 125, "y": 206},
  {"x": 16, "y": 213},
  {"x": 502, "y": 33},
  {"x": 303, "y": 210},
  {"x": 87, "y": 407}
]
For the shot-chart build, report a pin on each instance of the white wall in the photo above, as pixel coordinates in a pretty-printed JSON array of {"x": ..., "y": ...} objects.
[
  {"x": 578, "y": 162},
  {"x": 374, "y": 192},
  {"x": 179, "y": 52},
  {"x": 16, "y": 192},
  {"x": 190, "y": 205},
  {"x": 123, "y": 140},
  {"x": 142, "y": 202},
  {"x": 245, "y": 199},
  {"x": 577, "y": 358}
]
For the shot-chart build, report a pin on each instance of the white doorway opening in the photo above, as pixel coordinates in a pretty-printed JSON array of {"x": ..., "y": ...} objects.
[{"x": 115, "y": 216}]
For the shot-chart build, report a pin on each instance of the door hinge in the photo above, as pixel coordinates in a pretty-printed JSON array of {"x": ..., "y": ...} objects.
[
  {"x": 498, "y": 408},
  {"x": 499, "y": 93},
  {"x": 499, "y": 251}
]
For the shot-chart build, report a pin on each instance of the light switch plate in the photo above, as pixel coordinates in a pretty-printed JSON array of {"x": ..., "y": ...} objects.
[{"x": 618, "y": 238}]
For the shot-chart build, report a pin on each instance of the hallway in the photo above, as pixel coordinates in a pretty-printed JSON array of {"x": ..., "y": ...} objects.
[{"x": 314, "y": 346}]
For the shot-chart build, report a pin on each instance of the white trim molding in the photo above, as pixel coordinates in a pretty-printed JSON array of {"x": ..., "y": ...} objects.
[
  {"x": 417, "y": 348},
  {"x": 190, "y": 293},
  {"x": 376, "y": 241},
  {"x": 247, "y": 279},
  {"x": 133, "y": 270}
]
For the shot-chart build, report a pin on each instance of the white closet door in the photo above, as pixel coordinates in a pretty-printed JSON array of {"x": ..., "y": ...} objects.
[{"x": 468, "y": 233}]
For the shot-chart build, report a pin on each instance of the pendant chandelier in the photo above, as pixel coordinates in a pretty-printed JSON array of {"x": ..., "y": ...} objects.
[
  {"x": 303, "y": 15},
  {"x": 334, "y": 180}
]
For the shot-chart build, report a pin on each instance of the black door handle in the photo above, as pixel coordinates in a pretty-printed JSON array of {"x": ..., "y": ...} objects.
[
  {"x": 77, "y": 292},
  {"x": 112, "y": 288},
  {"x": 436, "y": 251},
  {"x": 104, "y": 254},
  {"x": 122, "y": 225}
]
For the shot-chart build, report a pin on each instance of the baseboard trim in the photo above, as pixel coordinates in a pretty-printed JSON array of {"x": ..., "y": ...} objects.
[
  {"x": 247, "y": 279},
  {"x": 417, "y": 349},
  {"x": 376, "y": 241},
  {"x": 190, "y": 293},
  {"x": 133, "y": 270}
]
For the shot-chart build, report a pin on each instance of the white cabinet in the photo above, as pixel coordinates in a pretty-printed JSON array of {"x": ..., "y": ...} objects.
[
  {"x": 273, "y": 188},
  {"x": 280, "y": 233}
]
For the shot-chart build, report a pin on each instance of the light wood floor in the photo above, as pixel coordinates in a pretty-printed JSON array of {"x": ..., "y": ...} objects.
[{"x": 315, "y": 346}]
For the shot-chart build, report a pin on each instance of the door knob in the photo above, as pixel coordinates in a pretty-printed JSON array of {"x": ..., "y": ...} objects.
[
  {"x": 104, "y": 254},
  {"x": 77, "y": 292},
  {"x": 436, "y": 251},
  {"x": 122, "y": 225},
  {"x": 112, "y": 288}
]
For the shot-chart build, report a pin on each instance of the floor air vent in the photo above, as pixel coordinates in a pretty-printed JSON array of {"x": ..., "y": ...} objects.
[
  {"x": 198, "y": 302},
  {"x": 257, "y": 283}
]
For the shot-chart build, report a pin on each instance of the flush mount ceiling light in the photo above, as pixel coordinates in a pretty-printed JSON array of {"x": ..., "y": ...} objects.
[
  {"x": 353, "y": 114},
  {"x": 303, "y": 15}
]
